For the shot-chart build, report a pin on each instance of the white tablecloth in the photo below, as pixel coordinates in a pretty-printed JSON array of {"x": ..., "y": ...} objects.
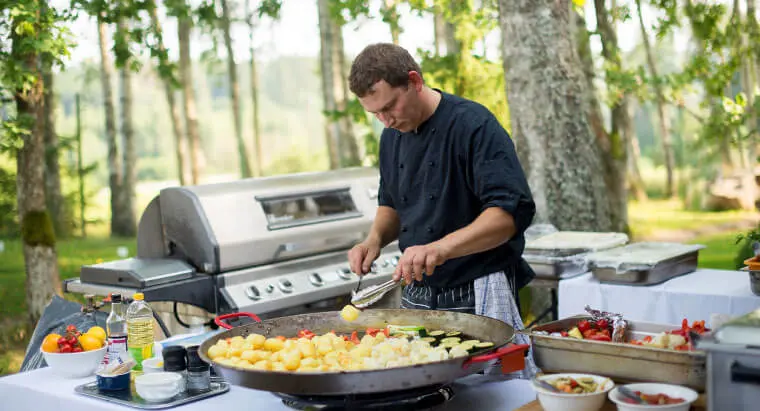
[
  {"x": 695, "y": 296},
  {"x": 42, "y": 390}
]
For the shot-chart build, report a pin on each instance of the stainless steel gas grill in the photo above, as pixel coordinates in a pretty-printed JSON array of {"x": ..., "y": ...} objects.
[{"x": 273, "y": 246}]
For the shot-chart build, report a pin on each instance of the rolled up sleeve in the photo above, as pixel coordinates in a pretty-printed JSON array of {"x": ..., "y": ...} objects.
[
  {"x": 383, "y": 197},
  {"x": 495, "y": 174}
]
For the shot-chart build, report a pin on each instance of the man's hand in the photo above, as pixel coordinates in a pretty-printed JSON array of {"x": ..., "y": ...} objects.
[
  {"x": 361, "y": 257},
  {"x": 419, "y": 259}
]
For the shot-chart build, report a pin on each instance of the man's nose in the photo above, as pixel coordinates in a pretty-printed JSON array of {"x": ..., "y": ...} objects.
[{"x": 383, "y": 118}]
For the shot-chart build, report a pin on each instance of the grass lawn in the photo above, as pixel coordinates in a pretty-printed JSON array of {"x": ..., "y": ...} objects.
[{"x": 646, "y": 220}]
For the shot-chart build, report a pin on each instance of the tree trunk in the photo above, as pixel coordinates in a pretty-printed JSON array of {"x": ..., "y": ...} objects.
[
  {"x": 634, "y": 156},
  {"x": 452, "y": 45},
  {"x": 749, "y": 84},
  {"x": 126, "y": 225},
  {"x": 53, "y": 194},
  {"x": 258, "y": 156},
  {"x": 245, "y": 167},
  {"x": 40, "y": 259},
  {"x": 391, "y": 17},
  {"x": 754, "y": 75},
  {"x": 611, "y": 150},
  {"x": 180, "y": 141},
  {"x": 439, "y": 33},
  {"x": 662, "y": 112},
  {"x": 349, "y": 149},
  {"x": 114, "y": 167},
  {"x": 328, "y": 81},
  {"x": 546, "y": 90},
  {"x": 197, "y": 159}
]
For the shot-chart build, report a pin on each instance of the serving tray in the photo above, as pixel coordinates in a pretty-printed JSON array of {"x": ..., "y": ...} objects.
[{"x": 130, "y": 398}]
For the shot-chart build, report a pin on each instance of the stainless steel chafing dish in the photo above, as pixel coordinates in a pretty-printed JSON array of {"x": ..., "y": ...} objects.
[
  {"x": 733, "y": 364},
  {"x": 644, "y": 263},
  {"x": 562, "y": 254}
]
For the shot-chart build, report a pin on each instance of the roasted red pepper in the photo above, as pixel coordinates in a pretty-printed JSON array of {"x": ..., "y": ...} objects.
[
  {"x": 355, "y": 338},
  {"x": 602, "y": 324},
  {"x": 584, "y": 325},
  {"x": 372, "y": 331},
  {"x": 563, "y": 333},
  {"x": 306, "y": 334},
  {"x": 589, "y": 333},
  {"x": 600, "y": 337}
]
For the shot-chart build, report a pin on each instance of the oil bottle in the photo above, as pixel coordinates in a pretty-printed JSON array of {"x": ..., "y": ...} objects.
[{"x": 139, "y": 331}]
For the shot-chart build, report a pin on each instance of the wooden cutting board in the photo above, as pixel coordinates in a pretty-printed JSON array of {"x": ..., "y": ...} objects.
[{"x": 699, "y": 405}]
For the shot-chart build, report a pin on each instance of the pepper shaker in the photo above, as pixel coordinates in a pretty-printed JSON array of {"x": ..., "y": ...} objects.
[
  {"x": 174, "y": 361},
  {"x": 198, "y": 372}
]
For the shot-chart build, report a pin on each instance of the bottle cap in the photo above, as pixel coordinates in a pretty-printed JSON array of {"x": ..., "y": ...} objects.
[
  {"x": 174, "y": 358},
  {"x": 194, "y": 361},
  {"x": 138, "y": 296}
]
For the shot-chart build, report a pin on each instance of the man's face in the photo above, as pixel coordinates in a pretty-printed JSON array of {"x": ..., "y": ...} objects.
[{"x": 395, "y": 107}]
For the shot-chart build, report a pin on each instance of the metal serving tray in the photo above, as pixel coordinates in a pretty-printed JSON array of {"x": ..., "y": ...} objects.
[
  {"x": 619, "y": 361},
  {"x": 130, "y": 398},
  {"x": 644, "y": 273},
  {"x": 559, "y": 268}
]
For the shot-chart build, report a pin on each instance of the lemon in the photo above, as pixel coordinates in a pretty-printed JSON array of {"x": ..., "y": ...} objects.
[
  {"x": 90, "y": 342},
  {"x": 97, "y": 332}
]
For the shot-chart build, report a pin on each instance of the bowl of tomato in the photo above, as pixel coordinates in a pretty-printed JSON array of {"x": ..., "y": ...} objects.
[{"x": 655, "y": 397}]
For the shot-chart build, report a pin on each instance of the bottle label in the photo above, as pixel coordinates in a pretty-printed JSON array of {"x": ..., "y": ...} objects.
[
  {"x": 116, "y": 346},
  {"x": 139, "y": 354}
]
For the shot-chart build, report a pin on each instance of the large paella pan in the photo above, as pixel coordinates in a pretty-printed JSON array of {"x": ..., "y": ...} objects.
[{"x": 375, "y": 380}]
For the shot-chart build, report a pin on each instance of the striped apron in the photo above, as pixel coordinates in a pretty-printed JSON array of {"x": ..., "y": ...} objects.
[{"x": 493, "y": 295}]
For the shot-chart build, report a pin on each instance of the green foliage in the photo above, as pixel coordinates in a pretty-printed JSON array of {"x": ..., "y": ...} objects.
[
  {"x": 8, "y": 212},
  {"x": 37, "y": 229}
]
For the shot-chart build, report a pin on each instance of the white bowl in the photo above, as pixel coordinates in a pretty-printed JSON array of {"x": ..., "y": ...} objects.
[
  {"x": 75, "y": 364},
  {"x": 153, "y": 364},
  {"x": 687, "y": 394},
  {"x": 560, "y": 401},
  {"x": 158, "y": 386}
]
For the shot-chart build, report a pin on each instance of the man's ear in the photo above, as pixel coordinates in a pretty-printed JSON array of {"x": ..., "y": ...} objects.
[{"x": 415, "y": 80}]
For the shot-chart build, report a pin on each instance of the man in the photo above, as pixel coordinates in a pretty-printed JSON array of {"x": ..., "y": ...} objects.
[{"x": 452, "y": 192}]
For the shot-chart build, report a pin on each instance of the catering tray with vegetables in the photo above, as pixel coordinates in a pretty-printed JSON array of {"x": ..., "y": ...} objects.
[{"x": 607, "y": 344}]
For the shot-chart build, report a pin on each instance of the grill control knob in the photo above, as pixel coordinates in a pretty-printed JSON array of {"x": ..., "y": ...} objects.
[
  {"x": 286, "y": 286},
  {"x": 373, "y": 268},
  {"x": 269, "y": 288},
  {"x": 315, "y": 279},
  {"x": 344, "y": 273},
  {"x": 253, "y": 293}
]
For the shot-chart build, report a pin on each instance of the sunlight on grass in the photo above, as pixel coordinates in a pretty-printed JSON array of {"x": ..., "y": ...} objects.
[{"x": 648, "y": 217}]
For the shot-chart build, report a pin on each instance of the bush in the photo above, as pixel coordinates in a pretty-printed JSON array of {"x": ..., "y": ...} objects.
[{"x": 745, "y": 249}]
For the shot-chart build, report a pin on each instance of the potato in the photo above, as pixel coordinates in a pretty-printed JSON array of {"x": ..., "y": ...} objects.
[
  {"x": 256, "y": 339},
  {"x": 278, "y": 366},
  {"x": 217, "y": 351},
  {"x": 349, "y": 313},
  {"x": 292, "y": 360},
  {"x": 250, "y": 356},
  {"x": 307, "y": 349},
  {"x": 273, "y": 344},
  {"x": 263, "y": 365}
]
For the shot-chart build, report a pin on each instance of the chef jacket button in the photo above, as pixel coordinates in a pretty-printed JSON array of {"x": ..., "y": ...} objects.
[
  {"x": 400, "y": 166},
  {"x": 433, "y": 130},
  {"x": 431, "y": 164},
  {"x": 403, "y": 229},
  {"x": 403, "y": 198},
  {"x": 431, "y": 196},
  {"x": 430, "y": 229}
]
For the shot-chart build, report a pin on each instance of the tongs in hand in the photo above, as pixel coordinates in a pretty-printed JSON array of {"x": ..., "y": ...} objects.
[{"x": 372, "y": 294}]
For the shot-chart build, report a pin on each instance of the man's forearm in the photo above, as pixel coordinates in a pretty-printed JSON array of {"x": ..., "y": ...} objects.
[
  {"x": 385, "y": 228},
  {"x": 492, "y": 228}
]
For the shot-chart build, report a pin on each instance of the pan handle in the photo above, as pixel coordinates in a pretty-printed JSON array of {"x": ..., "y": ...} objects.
[
  {"x": 219, "y": 320},
  {"x": 501, "y": 352}
]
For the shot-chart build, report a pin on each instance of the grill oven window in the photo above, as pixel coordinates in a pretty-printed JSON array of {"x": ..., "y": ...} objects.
[{"x": 309, "y": 208}]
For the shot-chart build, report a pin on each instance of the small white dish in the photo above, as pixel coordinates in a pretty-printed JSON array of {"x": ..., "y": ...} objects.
[
  {"x": 561, "y": 401},
  {"x": 676, "y": 391},
  {"x": 152, "y": 365},
  {"x": 158, "y": 386}
]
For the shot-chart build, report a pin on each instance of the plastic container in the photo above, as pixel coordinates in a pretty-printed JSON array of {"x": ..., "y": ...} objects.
[{"x": 140, "y": 337}]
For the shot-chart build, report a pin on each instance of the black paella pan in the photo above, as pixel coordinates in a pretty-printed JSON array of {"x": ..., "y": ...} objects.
[{"x": 370, "y": 381}]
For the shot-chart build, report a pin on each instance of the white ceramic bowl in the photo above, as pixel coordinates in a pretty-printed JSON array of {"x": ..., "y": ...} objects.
[
  {"x": 687, "y": 394},
  {"x": 75, "y": 364},
  {"x": 556, "y": 401},
  {"x": 153, "y": 364},
  {"x": 158, "y": 386}
]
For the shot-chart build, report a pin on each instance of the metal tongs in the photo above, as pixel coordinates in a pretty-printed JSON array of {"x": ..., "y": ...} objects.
[{"x": 365, "y": 297}]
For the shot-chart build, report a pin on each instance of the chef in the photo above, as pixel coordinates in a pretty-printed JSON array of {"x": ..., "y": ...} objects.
[{"x": 452, "y": 192}]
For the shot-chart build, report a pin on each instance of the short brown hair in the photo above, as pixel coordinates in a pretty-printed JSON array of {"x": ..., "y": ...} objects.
[{"x": 381, "y": 61}]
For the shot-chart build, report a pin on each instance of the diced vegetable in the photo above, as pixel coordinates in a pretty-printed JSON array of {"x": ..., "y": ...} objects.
[
  {"x": 575, "y": 333},
  {"x": 349, "y": 313},
  {"x": 412, "y": 330}
]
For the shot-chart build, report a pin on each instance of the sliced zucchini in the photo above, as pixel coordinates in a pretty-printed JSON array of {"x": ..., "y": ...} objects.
[
  {"x": 437, "y": 334},
  {"x": 448, "y": 344},
  {"x": 430, "y": 340},
  {"x": 483, "y": 345},
  {"x": 413, "y": 330},
  {"x": 471, "y": 342},
  {"x": 451, "y": 339},
  {"x": 454, "y": 334}
]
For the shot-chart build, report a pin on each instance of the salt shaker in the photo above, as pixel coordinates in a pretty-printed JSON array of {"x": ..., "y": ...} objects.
[
  {"x": 198, "y": 372},
  {"x": 174, "y": 361}
]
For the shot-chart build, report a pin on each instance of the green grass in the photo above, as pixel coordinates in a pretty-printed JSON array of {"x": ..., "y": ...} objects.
[{"x": 645, "y": 219}]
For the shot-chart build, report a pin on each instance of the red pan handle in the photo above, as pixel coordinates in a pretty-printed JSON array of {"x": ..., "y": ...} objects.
[
  {"x": 501, "y": 352},
  {"x": 219, "y": 320}
]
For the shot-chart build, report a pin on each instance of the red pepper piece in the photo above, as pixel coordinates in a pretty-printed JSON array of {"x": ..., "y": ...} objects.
[{"x": 584, "y": 325}]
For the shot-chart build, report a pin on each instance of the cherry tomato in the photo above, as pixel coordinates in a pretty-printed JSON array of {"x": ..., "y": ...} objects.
[
  {"x": 602, "y": 324},
  {"x": 583, "y": 325}
]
